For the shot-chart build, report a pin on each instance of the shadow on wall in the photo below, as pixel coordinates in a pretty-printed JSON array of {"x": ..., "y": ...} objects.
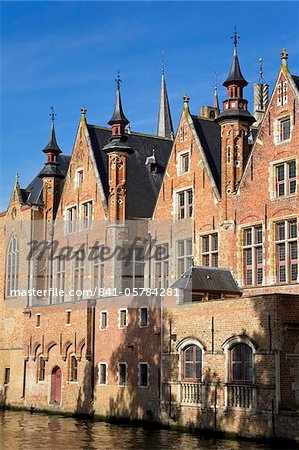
[
  {"x": 139, "y": 345},
  {"x": 3, "y": 396},
  {"x": 85, "y": 398}
]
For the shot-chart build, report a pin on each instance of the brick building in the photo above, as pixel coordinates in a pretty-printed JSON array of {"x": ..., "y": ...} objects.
[{"x": 167, "y": 267}]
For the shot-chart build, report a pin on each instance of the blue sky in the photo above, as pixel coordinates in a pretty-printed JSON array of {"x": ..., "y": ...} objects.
[{"x": 67, "y": 54}]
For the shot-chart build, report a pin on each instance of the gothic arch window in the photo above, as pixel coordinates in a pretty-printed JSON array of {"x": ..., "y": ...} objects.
[
  {"x": 241, "y": 363},
  {"x": 12, "y": 266},
  {"x": 191, "y": 363}
]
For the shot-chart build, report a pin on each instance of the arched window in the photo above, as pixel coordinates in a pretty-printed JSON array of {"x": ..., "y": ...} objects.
[
  {"x": 12, "y": 266},
  {"x": 241, "y": 364},
  {"x": 192, "y": 363}
]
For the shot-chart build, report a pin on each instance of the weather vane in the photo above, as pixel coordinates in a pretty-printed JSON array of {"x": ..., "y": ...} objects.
[
  {"x": 163, "y": 59},
  {"x": 216, "y": 81},
  {"x": 261, "y": 69},
  {"x": 52, "y": 114},
  {"x": 235, "y": 37},
  {"x": 118, "y": 80}
]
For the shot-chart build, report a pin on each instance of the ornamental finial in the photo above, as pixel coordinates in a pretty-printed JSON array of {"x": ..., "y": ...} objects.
[
  {"x": 83, "y": 112},
  {"x": 17, "y": 178},
  {"x": 118, "y": 80},
  {"x": 261, "y": 60},
  {"x": 52, "y": 114},
  {"x": 186, "y": 100},
  {"x": 284, "y": 57},
  {"x": 235, "y": 37},
  {"x": 163, "y": 60}
]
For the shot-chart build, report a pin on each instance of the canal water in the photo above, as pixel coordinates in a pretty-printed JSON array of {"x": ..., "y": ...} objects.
[{"x": 25, "y": 431}]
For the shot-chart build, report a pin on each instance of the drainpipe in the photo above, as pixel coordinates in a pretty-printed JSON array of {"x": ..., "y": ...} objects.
[
  {"x": 93, "y": 304},
  {"x": 24, "y": 378}
]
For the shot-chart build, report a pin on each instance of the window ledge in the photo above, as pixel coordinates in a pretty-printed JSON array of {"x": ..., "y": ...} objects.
[
  {"x": 283, "y": 197},
  {"x": 287, "y": 141}
]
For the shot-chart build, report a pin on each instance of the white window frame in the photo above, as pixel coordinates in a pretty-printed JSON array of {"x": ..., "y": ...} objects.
[
  {"x": 163, "y": 280},
  {"x": 273, "y": 178},
  {"x": 180, "y": 157},
  {"x": 86, "y": 225},
  {"x": 210, "y": 253},
  {"x": 177, "y": 194},
  {"x": 78, "y": 171},
  {"x": 253, "y": 246},
  {"x": 68, "y": 314},
  {"x": 102, "y": 363},
  {"x": 185, "y": 256},
  {"x": 286, "y": 241},
  {"x": 70, "y": 224}
]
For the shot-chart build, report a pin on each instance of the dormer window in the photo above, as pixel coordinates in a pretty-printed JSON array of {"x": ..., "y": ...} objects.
[{"x": 79, "y": 178}]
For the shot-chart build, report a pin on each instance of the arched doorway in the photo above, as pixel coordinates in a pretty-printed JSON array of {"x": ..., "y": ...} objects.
[{"x": 56, "y": 385}]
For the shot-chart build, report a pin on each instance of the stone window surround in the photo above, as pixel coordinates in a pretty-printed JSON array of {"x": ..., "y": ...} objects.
[
  {"x": 81, "y": 213},
  {"x": 104, "y": 363},
  {"x": 180, "y": 348},
  {"x": 208, "y": 234},
  {"x": 122, "y": 327},
  {"x": 78, "y": 170},
  {"x": 240, "y": 259},
  {"x": 176, "y": 201},
  {"x": 277, "y": 127},
  {"x": 228, "y": 345},
  {"x": 179, "y": 161},
  {"x": 107, "y": 319},
  {"x": 272, "y": 177}
]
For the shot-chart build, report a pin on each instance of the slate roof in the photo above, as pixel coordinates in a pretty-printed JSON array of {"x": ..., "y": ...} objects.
[
  {"x": 296, "y": 81},
  {"x": 235, "y": 73},
  {"x": 33, "y": 192},
  {"x": 143, "y": 186},
  {"x": 208, "y": 279},
  {"x": 209, "y": 135}
]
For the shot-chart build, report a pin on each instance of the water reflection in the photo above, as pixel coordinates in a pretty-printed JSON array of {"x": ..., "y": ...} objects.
[{"x": 21, "y": 430}]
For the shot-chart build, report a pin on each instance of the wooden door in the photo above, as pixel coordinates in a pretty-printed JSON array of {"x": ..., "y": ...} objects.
[{"x": 56, "y": 385}]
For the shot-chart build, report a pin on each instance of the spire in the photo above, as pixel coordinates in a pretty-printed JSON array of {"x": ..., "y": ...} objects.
[
  {"x": 51, "y": 168},
  {"x": 216, "y": 101},
  {"x": 165, "y": 127},
  {"x": 235, "y": 74},
  {"x": 52, "y": 146},
  {"x": 118, "y": 115},
  {"x": 118, "y": 139}
]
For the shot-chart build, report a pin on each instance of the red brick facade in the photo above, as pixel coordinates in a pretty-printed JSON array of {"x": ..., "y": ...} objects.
[{"x": 126, "y": 355}]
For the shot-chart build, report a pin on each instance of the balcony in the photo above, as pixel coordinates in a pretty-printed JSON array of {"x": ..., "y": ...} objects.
[
  {"x": 191, "y": 393},
  {"x": 240, "y": 396}
]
